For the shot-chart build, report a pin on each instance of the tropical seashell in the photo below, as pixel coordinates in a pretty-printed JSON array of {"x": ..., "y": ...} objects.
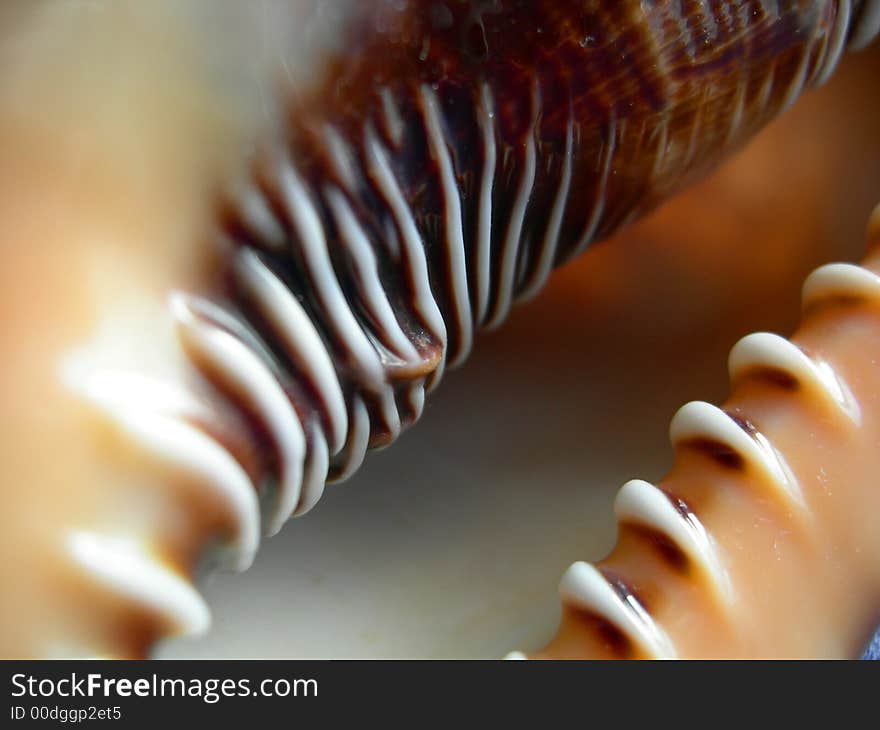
[
  {"x": 742, "y": 551},
  {"x": 435, "y": 171}
]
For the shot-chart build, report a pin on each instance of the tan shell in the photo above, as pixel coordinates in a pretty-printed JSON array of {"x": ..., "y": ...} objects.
[{"x": 761, "y": 541}]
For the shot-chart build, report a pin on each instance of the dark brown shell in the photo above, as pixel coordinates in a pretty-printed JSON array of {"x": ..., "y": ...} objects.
[{"x": 456, "y": 152}]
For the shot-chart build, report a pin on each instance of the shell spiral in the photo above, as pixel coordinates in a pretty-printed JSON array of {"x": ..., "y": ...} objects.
[{"x": 433, "y": 176}]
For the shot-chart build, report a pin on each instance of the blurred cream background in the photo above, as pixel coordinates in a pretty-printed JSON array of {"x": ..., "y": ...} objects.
[{"x": 118, "y": 117}]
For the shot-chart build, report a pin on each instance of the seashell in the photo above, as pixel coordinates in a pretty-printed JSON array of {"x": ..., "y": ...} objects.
[
  {"x": 740, "y": 551},
  {"x": 432, "y": 174}
]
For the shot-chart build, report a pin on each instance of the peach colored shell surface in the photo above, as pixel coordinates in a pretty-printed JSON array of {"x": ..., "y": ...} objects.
[{"x": 241, "y": 244}]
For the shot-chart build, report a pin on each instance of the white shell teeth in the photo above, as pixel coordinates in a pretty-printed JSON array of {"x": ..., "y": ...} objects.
[
  {"x": 836, "y": 42},
  {"x": 835, "y": 281},
  {"x": 583, "y": 587},
  {"x": 365, "y": 264},
  {"x": 177, "y": 442},
  {"x": 250, "y": 377},
  {"x": 765, "y": 351},
  {"x": 455, "y": 248},
  {"x": 127, "y": 569},
  {"x": 703, "y": 421},
  {"x": 358, "y": 439},
  {"x": 641, "y": 503},
  {"x": 315, "y": 472},
  {"x": 297, "y": 336},
  {"x": 601, "y": 198},
  {"x": 261, "y": 222},
  {"x": 867, "y": 25},
  {"x": 316, "y": 259},
  {"x": 155, "y": 416},
  {"x": 550, "y": 246},
  {"x": 416, "y": 267},
  {"x": 485, "y": 112},
  {"x": 512, "y": 238}
]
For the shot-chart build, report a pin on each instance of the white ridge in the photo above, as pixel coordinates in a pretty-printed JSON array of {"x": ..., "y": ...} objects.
[
  {"x": 700, "y": 420},
  {"x": 550, "y": 244},
  {"x": 642, "y": 503},
  {"x": 510, "y": 247},
  {"x": 765, "y": 350},
  {"x": 840, "y": 280},
  {"x": 452, "y": 224},
  {"x": 251, "y": 377},
  {"x": 367, "y": 270},
  {"x": 584, "y": 587},
  {"x": 867, "y": 25},
  {"x": 298, "y": 338},
  {"x": 128, "y": 569},
  {"x": 485, "y": 116},
  {"x": 416, "y": 265}
]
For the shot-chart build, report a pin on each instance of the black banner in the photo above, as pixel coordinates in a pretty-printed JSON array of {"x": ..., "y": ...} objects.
[{"x": 589, "y": 693}]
